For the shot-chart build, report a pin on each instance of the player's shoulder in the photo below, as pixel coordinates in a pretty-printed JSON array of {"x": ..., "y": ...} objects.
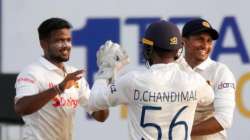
[
  {"x": 184, "y": 69},
  {"x": 220, "y": 68},
  {"x": 186, "y": 73},
  {"x": 30, "y": 73},
  {"x": 32, "y": 69},
  {"x": 192, "y": 76},
  {"x": 218, "y": 65},
  {"x": 132, "y": 74}
]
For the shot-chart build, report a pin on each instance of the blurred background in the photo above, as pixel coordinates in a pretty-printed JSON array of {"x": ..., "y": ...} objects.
[{"x": 123, "y": 21}]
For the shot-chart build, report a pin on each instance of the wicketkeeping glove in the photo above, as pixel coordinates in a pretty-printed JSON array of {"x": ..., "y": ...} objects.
[{"x": 111, "y": 58}]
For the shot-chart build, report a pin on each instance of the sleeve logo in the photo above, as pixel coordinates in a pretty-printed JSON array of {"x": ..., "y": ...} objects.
[{"x": 226, "y": 85}]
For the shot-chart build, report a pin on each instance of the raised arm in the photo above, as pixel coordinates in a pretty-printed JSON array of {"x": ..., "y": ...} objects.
[
  {"x": 28, "y": 100},
  {"x": 111, "y": 58}
]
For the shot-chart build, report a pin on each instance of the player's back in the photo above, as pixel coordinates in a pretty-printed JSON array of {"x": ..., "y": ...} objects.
[{"x": 162, "y": 102}]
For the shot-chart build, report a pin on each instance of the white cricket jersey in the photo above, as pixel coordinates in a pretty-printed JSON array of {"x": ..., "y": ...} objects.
[
  {"x": 224, "y": 85},
  {"x": 161, "y": 100},
  {"x": 55, "y": 120}
]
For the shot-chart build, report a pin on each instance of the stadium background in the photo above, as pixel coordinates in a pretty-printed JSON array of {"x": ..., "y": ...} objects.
[{"x": 95, "y": 21}]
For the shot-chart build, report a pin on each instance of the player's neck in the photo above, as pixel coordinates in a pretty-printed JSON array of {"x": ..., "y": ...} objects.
[
  {"x": 163, "y": 58},
  {"x": 163, "y": 61},
  {"x": 60, "y": 65},
  {"x": 191, "y": 61}
]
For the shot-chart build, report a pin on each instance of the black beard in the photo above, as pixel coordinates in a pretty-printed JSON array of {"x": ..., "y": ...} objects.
[{"x": 58, "y": 59}]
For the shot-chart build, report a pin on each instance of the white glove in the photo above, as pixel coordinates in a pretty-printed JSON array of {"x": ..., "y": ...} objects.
[{"x": 111, "y": 58}]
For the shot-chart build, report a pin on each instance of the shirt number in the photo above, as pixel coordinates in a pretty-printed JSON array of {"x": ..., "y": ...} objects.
[{"x": 156, "y": 126}]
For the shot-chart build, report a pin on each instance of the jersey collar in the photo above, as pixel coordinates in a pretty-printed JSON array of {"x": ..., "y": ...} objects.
[
  {"x": 47, "y": 64},
  {"x": 204, "y": 64},
  {"x": 181, "y": 60}
]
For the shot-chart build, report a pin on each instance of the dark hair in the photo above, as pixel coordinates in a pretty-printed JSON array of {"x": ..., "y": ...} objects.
[{"x": 51, "y": 24}]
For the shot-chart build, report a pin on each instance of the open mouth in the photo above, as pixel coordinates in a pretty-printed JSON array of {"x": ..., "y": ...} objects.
[{"x": 202, "y": 52}]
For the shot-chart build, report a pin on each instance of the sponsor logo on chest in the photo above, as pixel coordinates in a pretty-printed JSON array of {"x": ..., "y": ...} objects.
[{"x": 65, "y": 100}]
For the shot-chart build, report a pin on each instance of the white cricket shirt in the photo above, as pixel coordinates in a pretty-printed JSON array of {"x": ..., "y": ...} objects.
[
  {"x": 55, "y": 120},
  {"x": 224, "y": 85},
  {"x": 161, "y": 100}
]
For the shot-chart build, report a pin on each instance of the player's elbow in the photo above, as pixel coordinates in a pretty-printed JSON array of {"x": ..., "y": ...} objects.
[
  {"x": 227, "y": 124},
  {"x": 225, "y": 121},
  {"x": 17, "y": 110},
  {"x": 21, "y": 110},
  {"x": 224, "y": 111}
]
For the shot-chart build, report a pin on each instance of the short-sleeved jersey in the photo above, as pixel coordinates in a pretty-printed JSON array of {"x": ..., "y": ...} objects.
[
  {"x": 224, "y": 85},
  {"x": 54, "y": 121},
  {"x": 161, "y": 100}
]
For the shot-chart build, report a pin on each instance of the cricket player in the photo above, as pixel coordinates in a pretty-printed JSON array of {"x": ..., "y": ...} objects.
[
  {"x": 162, "y": 97},
  {"x": 48, "y": 91},
  {"x": 210, "y": 121}
]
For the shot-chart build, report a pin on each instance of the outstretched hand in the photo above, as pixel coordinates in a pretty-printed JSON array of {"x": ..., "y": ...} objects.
[
  {"x": 70, "y": 79},
  {"x": 111, "y": 58},
  {"x": 110, "y": 54}
]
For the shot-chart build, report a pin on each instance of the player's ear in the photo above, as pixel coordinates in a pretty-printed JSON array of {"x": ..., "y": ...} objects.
[
  {"x": 147, "y": 53},
  {"x": 183, "y": 41},
  {"x": 43, "y": 44}
]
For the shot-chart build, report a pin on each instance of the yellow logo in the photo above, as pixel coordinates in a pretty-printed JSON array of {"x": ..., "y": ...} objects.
[
  {"x": 77, "y": 85},
  {"x": 206, "y": 24},
  {"x": 147, "y": 42},
  {"x": 173, "y": 40}
]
